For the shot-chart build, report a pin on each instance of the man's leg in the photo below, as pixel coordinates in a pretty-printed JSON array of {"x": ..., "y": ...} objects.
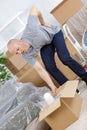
[
  {"x": 64, "y": 56},
  {"x": 47, "y": 55}
]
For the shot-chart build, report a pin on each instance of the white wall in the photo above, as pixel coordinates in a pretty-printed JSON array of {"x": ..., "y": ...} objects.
[{"x": 9, "y": 8}]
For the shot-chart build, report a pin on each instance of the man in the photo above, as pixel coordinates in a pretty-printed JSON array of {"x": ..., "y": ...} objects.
[{"x": 40, "y": 36}]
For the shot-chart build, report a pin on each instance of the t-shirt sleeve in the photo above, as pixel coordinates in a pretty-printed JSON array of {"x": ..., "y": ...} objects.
[
  {"x": 33, "y": 21},
  {"x": 29, "y": 59}
]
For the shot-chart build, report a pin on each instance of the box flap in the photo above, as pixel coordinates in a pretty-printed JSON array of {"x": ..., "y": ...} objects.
[
  {"x": 69, "y": 89},
  {"x": 49, "y": 109}
]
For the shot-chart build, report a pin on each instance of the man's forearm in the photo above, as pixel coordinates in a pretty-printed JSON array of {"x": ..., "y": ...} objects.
[
  {"x": 44, "y": 75},
  {"x": 41, "y": 19}
]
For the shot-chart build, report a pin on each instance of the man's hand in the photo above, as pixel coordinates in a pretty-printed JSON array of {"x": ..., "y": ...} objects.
[
  {"x": 47, "y": 25},
  {"x": 54, "y": 90},
  {"x": 34, "y": 11}
]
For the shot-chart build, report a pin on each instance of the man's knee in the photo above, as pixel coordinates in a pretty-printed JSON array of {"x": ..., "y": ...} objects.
[
  {"x": 66, "y": 61},
  {"x": 50, "y": 68}
]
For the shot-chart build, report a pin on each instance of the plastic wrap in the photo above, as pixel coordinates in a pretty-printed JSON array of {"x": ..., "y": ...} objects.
[
  {"x": 32, "y": 93},
  {"x": 24, "y": 90},
  {"x": 15, "y": 119},
  {"x": 8, "y": 100},
  {"x": 20, "y": 104},
  {"x": 32, "y": 110},
  {"x": 8, "y": 105},
  {"x": 7, "y": 91},
  {"x": 41, "y": 91}
]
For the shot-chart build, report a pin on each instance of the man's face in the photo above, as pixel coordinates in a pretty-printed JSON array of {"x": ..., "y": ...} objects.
[{"x": 16, "y": 49}]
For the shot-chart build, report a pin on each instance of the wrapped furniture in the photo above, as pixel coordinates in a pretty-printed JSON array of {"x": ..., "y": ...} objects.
[{"x": 20, "y": 104}]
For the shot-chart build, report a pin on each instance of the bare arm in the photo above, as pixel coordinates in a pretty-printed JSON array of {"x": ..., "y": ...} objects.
[
  {"x": 35, "y": 11},
  {"x": 45, "y": 76}
]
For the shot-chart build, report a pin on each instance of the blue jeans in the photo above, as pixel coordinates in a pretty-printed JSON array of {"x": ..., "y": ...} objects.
[{"x": 47, "y": 55}]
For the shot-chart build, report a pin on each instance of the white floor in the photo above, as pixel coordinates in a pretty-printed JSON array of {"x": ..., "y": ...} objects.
[{"x": 81, "y": 123}]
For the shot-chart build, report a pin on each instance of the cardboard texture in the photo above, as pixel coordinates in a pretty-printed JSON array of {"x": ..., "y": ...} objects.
[
  {"x": 18, "y": 61},
  {"x": 15, "y": 63},
  {"x": 66, "y": 9},
  {"x": 23, "y": 70},
  {"x": 31, "y": 76},
  {"x": 65, "y": 110},
  {"x": 69, "y": 89},
  {"x": 11, "y": 67}
]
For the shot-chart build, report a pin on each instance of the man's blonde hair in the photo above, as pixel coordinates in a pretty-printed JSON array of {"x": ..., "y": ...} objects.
[{"x": 12, "y": 41}]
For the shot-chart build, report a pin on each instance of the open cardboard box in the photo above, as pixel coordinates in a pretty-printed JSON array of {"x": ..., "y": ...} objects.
[{"x": 66, "y": 108}]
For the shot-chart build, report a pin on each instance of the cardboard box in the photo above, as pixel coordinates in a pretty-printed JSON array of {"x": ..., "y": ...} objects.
[
  {"x": 16, "y": 60},
  {"x": 65, "y": 110},
  {"x": 66, "y": 9},
  {"x": 31, "y": 76},
  {"x": 23, "y": 70}
]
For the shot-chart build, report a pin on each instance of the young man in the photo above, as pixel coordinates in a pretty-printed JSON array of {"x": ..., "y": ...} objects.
[{"x": 40, "y": 36}]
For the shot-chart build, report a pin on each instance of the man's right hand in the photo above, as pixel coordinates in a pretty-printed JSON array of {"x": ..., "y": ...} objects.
[
  {"x": 47, "y": 25},
  {"x": 54, "y": 91}
]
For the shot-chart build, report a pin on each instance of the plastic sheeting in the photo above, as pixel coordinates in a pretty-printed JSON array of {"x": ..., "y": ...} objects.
[
  {"x": 6, "y": 91},
  {"x": 15, "y": 119},
  {"x": 8, "y": 105},
  {"x": 20, "y": 104}
]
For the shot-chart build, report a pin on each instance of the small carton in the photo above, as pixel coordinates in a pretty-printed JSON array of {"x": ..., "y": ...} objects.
[{"x": 65, "y": 109}]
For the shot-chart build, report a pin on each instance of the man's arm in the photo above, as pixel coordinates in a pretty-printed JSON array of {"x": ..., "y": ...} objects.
[
  {"x": 35, "y": 11},
  {"x": 45, "y": 76}
]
